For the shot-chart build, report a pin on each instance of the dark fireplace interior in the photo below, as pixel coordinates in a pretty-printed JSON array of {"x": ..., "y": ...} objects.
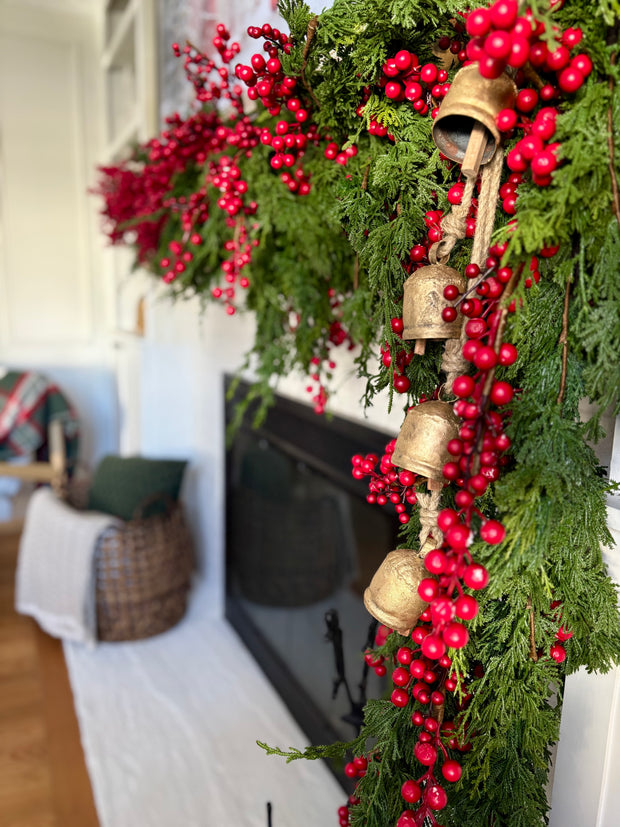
[{"x": 302, "y": 545}]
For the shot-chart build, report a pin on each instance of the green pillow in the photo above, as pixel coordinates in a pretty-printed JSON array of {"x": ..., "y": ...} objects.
[{"x": 133, "y": 487}]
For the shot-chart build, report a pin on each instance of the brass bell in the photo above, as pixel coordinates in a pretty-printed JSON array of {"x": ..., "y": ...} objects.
[
  {"x": 423, "y": 302},
  {"x": 392, "y": 597},
  {"x": 465, "y": 124},
  {"x": 421, "y": 445}
]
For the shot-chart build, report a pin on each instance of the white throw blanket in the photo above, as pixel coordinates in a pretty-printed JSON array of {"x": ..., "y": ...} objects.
[{"x": 55, "y": 581}]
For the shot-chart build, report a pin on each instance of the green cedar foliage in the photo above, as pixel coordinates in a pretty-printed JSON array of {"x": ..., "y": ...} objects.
[
  {"x": 364, "y": 219},
  {"x": 552, "y": 497}
]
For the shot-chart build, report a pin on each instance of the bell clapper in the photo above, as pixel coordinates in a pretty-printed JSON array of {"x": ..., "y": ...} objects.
[
  {"x": 475, "y": 150},
  {"x": 420, "y": 347},
  {"x": 434, "y": 485}
]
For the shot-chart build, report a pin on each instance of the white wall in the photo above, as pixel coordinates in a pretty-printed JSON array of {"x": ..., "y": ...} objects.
[{"x": 53, "y": 299}]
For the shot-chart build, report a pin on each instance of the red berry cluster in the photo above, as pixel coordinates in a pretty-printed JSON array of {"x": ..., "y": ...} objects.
[
  {"x": 403, "y": 78},
  {"x": 557, "y": 651},
  {"x": 501, "y": 37},
  {"x": 337, "y": 336},
  {"x": 344, "y": 811},
  {"x": 199, "y": 67},
  {"x": 399, "y": 363},
  {"x": 535, "y": 151},
  {"x": 427, "y": 682},
  {"x": 264, "y": 78},
  {"x": 387, "y": 485},
  {"x": 418, "y": 254},
  {"x": 267, "y": 82},
  {"x": 339, "y": 155},
  {"x": 372, "y": 658}
]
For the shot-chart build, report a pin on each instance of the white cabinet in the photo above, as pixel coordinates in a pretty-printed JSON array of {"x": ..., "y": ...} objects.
[
  {"x": 130, "y": 83},
  {"x": 129, "y": 66}
]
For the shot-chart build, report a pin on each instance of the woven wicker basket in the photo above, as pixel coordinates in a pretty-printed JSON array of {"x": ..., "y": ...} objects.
[
  {"x": 143, "y": 571},
  {"x": 143, "y": 574}
]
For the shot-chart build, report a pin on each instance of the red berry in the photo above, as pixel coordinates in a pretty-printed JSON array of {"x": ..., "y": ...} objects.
[
  {"x": 507, "y": 354},
  {"x": 400, "y": 676},
  {"x": 485, "y": 358},
  {"x": 400, "y": 698},
  {"x": 402, "y": 60},
  {"x": 428, "y": 589},
  {"x": 538, "y": 54},
  {"x": 404, "y": 655},
  {"x": 425, "y": 753},
  {"x": 436, "y": 797},
  {"x": 411, "y": 792},
  {"x": 526, "y": 100},
  {"x": 450, "y": 292},
  {"x": 451, "y": 471},
  {"x": 350, "y": 770},
  {"x": 433, "y": 647},
  {"x": 457, "y": 536},
  {"x": 401, "y": 383},
  {"x": 435, "y": 561},
  {"x": 478, "y": 22},
  {"x": 558, "y": 58},
  {"x": 442, "y": 611},
  {"x": 447, "y": 518},
  {"x": 506, "y": 120},
  {"x": 397, "y": 326},
  {"x": 455, "y": 635},
  {"x": 501, "y": 393},
  {"x": 498, "y": 44},
  {"x": 490, "y": 67},
  {"x": 570, "y": 80},
  {"x": 466, "y": 607},
  {"x": 428, "y": 73},
  {"x": 392, "y": 89},
  {"x": 463, "y": 386},
  {"x": 475, "y": 576},
  {"x": 455, "y": 196},
  {"x": 504, "y": 13},
  {"x": 449, "y": 314},
  {"x": 583, "y": 64},
  {"x": 492, "y": 532},
  {"x": 558, "y": 653},
  {"x": 519, "y": 52},
  {"x": 451, "y": 770},
  {"x": 472, "y": 271}
]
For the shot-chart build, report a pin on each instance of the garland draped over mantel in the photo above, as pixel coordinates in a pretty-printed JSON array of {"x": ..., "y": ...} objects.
[{"x": 312, "y": 188}]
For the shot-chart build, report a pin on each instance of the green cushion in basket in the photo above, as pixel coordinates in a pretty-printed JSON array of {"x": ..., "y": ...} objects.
[{"x": 130, "y": 487}]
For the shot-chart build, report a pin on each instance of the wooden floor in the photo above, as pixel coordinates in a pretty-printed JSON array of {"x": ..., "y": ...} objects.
[{"x": 43, "y": 778}]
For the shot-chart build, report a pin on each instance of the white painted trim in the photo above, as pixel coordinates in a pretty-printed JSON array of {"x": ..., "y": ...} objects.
[
  {"x": 85, "y": 251},
  {"x": 609, "y": 774},
  {"x": 116, "y": 41},
  {"x": 88, "y": 7}
]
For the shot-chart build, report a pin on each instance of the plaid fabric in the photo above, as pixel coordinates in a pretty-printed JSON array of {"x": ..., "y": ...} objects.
[{"x": 28, "y": 403}]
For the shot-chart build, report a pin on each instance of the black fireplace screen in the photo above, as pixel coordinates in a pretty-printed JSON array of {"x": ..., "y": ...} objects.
[{"x": 302, "y": 545}]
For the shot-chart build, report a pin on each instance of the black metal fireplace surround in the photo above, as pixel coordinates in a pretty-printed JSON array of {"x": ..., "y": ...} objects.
[{"x": 302, "y": 545}]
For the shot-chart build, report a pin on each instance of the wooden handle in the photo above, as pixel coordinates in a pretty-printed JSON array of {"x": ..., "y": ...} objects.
[{"x": 475, "y": 150}]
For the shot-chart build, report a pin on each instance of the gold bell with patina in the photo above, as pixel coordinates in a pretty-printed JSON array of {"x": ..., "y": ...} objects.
[
  {"x": 469, "y": 111},
  {"x": 423, "y": 303},
  {"x": 421, "y": 446},
  {"x": 392, "y": 597}
]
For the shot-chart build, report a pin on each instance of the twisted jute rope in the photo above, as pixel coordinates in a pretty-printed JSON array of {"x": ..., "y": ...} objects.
[
  {"x": 452, "y": 363},
  {"x": 454, "y": 227},
  {"x": 428, "y": 511}
]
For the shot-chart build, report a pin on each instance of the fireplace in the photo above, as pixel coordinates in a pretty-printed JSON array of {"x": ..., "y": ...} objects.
[{"x": 302, "y": 545}]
